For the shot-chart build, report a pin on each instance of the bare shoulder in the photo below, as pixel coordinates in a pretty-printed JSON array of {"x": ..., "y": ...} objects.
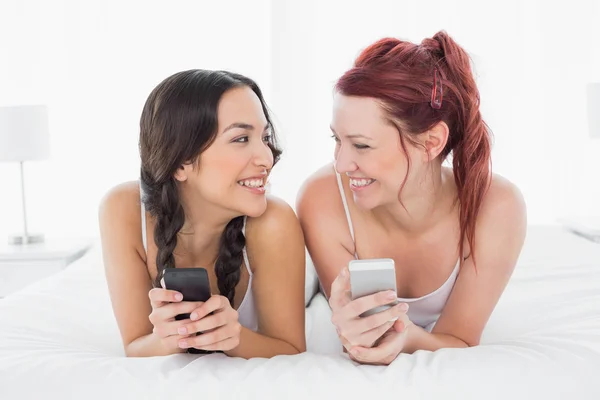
[
  {"x": 278, "y": 219},
  {"x": 119, "y": 213},
  {"x": 321, "y": 212},
  {"x": 275, "y": 236},
  {"x": 502, "y": 219},
  {"x": 319, "y": 192},
  {"x": 121, "y": 199},
  {"x": 503, "y": 199}
]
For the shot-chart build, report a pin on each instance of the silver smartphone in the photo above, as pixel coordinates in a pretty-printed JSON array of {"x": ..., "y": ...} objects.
[{"x": 371, "y": 276}]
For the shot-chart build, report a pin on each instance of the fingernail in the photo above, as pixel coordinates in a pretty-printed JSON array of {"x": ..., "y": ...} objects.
[
  {"x": 403, "y": 307},
  {"x": 355, "y": 351},
  {"x": 178, "y": 297},
  {"x": 390, "y": 295},
  {"x": 194, "y": 316},
  {"x": 344, "y": 272},
  {"x": 183, "y": 344},
  {"x": 182, "y": 330}
]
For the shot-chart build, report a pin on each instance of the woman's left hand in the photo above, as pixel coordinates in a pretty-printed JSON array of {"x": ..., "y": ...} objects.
[
  {"x": 387, "y": 348},
  {"x": 220, "y": 331}
]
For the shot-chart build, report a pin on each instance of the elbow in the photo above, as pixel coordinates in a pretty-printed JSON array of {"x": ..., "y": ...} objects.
[
  {"x": 291, "y": 351},
  {"x": 134, "y": 349},
  {"x": 449, "y": 340},
  {"x": 129, "y": 353},
  {"x": 300, "y": 349},
  {"x": 469, "y": 342},
  {"x": 295, "y": 349},
  {"x": 130, "y": 350},
  {"x": 470, "y": 339}
]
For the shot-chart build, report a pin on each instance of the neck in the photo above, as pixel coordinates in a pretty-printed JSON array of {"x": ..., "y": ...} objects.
[
  {"x": 203, "y": 228},
  {"x": 431, "y": 198}
]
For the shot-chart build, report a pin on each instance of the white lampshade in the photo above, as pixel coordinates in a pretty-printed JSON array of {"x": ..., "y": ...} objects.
[
  {"x": 24, "y": 133},
  {"x": 593, "y": 111}
]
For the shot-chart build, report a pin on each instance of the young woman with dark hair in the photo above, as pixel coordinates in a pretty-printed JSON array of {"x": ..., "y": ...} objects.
[{"x": 207, "y": 148}]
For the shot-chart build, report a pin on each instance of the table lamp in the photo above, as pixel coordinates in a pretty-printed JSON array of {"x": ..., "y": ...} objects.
[{"x": 24, "y": 137}]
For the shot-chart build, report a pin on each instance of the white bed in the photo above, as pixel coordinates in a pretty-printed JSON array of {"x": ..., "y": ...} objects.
[{"x": 58, "y": 340}]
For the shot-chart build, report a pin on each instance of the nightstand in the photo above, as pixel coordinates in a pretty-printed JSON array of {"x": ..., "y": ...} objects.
[
  {"x": 587, "y": 227},
  {"x": 21, "y": 265}
]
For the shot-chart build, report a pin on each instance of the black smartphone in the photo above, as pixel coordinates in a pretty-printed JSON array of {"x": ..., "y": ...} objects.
[{"x": 192, "y": 283}]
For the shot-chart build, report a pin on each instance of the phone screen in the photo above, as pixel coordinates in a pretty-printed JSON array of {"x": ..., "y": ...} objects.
[{"x": 192, "y": 283}]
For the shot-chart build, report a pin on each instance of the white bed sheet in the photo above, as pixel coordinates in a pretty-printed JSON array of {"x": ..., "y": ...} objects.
[{"x": 59, "y": 340}]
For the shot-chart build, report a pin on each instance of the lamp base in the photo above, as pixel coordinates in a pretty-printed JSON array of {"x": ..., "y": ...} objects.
[{"x": 25, "y": 240}]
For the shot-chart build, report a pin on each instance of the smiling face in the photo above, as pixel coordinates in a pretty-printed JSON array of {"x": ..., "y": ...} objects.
[
  {"x": 368, "y": 150},
  {"x": 232, "y": 172}
]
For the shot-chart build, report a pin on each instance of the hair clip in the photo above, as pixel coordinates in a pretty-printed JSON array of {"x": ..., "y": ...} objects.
[{"x": 437, "y": 93}]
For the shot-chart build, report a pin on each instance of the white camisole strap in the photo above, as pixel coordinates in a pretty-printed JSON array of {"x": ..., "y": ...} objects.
[{"x": 246, "y": 261}]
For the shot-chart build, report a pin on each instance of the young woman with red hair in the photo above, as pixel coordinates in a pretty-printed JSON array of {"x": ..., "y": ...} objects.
[{"x": 455, "y": 234}]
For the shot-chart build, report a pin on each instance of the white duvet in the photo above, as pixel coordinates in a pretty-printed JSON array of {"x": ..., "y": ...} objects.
[{"x": 59, "y": 340}]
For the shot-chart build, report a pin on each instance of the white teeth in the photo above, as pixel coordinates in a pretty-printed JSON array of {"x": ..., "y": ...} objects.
[
  {"x": 252, "y": 183},
  {"x": 361, "y": 182}
]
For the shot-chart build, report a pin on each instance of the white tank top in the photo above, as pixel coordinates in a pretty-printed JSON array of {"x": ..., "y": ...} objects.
[
  {"x": 246, "y": 311},
  {"x": 425, "y": 310}
]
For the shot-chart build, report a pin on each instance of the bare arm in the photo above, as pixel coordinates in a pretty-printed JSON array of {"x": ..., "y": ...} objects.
[
  {"x": 499, "y": 236},
  {"x": 276, "y": 252},
  {"x": 127, "y": 275}
]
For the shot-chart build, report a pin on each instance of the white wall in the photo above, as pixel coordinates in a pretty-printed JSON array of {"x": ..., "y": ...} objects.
[
  {"x": 94, "y": 63},
  {"x": 532, "y": 59}
]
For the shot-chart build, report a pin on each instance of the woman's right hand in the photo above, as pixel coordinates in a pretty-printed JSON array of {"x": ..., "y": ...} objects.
[
  {"x": 352, "y": 329},
  {"x": 166, "y": 304}
]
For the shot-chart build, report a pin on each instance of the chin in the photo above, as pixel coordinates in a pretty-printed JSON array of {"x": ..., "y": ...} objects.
[
  {"x": 254, "y": 209},
  {"x": 367, "y": 202}
]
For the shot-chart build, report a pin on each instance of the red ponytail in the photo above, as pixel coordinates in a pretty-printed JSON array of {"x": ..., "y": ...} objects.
[{"x": 404, "y": 76}]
